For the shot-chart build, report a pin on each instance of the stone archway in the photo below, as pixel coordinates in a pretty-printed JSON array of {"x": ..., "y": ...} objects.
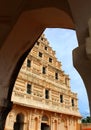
[
  {"x": 19, "y": 124},
  {"x": 44, "y": 126},
  {"x": 45, "y": 123},
  {"x": 19, "y": 31}
]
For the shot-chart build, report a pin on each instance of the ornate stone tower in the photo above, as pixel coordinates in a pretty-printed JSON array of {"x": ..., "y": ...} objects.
[{"x": 42, "y": 97}]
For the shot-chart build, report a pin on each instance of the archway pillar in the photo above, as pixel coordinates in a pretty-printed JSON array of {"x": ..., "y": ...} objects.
[{"x": 82, "y": 63}]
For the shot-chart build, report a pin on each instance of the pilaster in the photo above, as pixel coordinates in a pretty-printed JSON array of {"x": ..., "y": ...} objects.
[{"x": 32, "y": 123}]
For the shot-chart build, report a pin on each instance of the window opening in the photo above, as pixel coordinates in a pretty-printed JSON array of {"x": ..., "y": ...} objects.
[
  {"x": 47, "y": 94},
  {"x": 50, "y": 60},
  {"x": 72, "y": 101},
  {"x": 28, "y": 63},
  {"x": 38, "y": 43},
  {"x": 40, "y": 54},
  {"x": 42, "y": 38},
  {"x": 61, "y": 98},
  {"x": 29, "y": 88},
  {"x": 44, "y": 70},
  {"x": 56, "y": 75},
  {"x": 45, "y": 47}
]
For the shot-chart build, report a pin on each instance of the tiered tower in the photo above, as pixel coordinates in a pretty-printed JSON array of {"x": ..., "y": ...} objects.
[{"x": 42, "y": 95}]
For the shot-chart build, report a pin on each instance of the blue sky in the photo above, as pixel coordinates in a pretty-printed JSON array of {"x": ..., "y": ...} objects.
[{"x": 63, "y": 41}]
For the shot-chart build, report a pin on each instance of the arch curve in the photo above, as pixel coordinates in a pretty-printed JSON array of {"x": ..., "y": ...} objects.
[{"x": 52, "y": 17}]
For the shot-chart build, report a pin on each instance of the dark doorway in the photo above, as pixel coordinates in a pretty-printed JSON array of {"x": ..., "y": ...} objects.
[
  {"x": 44, "y": 126},
  {"x": 18, "y": 125}
]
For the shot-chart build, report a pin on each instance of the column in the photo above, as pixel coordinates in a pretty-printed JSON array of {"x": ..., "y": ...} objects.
[
  {"x": 11, "y": 119},
  {"x": 59, "y": 121},
  {"x": 52, "y": 124},
  {"x": 32, "y": 123},
  {"x": 39, "y": 123}
]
